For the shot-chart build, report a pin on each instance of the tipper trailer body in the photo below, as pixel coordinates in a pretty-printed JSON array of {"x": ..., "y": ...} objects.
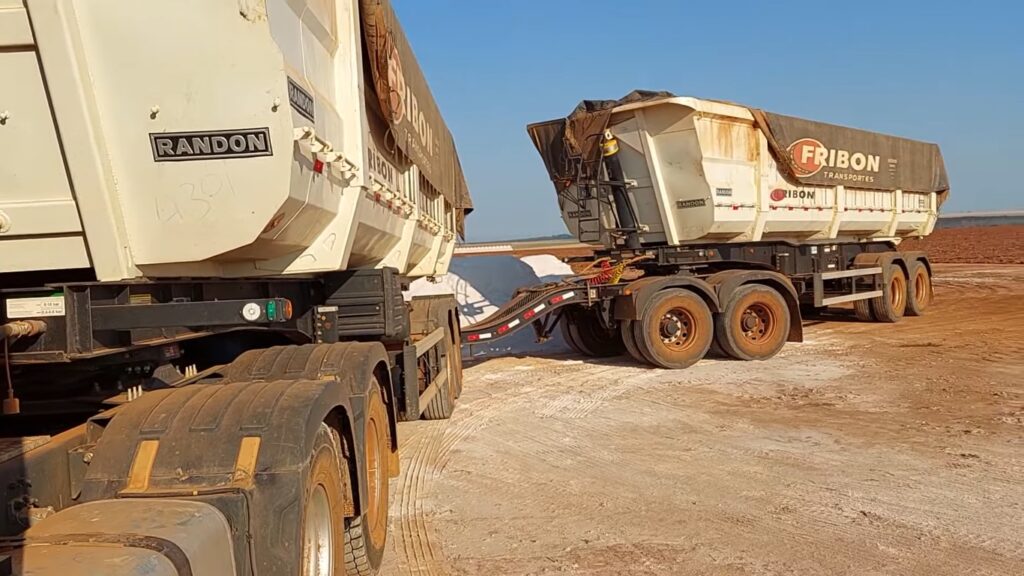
[
  {"x": 715, "y": 226},
  {"x": 208, "y": 212}
]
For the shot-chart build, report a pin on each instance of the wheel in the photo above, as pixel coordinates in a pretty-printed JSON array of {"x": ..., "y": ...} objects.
[
  {"x": 456, "y": 350},
  {"x": 366, "y": 534},
  {"x": 862, "y": 310},
  {"x": 442, "y": 405},
  {"x": 323, "y": 507},
  {"x": 919, "y": 289},
  {"x": 629, "y": 341},
  {"x": 568, "y": 333},
  {"x": 675, "y": 330},
  {"x": 754, "y": 324},
  {"x": 893, "y": 302},
  {"x": 600, "y": 341}
]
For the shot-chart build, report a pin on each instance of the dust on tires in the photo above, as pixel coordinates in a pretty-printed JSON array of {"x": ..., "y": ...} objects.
[
  {"x": 675, "y": 330},
  {"x": 754, "y": 325},
  {"x": 366, "y": 535},
  {"x": 919, "y": 289}
]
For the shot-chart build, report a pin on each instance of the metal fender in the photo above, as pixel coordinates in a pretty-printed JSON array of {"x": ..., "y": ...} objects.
[{"x": 631, "y": 303}]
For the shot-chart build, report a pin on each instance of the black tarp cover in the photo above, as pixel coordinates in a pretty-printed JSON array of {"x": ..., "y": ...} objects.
[{"x": 408, "y": 105}]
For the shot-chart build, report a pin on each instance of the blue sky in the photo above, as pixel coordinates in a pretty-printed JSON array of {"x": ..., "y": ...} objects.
[{"x": 941, "y": 71}]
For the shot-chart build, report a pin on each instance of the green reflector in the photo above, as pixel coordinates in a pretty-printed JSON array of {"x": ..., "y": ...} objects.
[{"x": 272, "y": 311}]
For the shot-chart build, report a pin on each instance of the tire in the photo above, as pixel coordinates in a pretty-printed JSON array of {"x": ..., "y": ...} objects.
[
  {"x": 570, "y": 332},
  {"x": 456, "y": 340},
  {"x": 323, "y": 525},
  {"x": 366, "y": 534},
  {"x": 600, "y": 341},
  {"x": 675, "y": 330},
  {"x": 891, "y": 306},
  {"x": 442, "y": 405},
  {"x": 862, "y": 310},
  {"x": 919, "y": 289},
  {"x": 754, "y": 325},
  {"x": 629, "y": 341}
]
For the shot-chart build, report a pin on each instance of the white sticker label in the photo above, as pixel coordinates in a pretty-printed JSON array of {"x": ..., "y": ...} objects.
[{"x": 35, "y": 307}]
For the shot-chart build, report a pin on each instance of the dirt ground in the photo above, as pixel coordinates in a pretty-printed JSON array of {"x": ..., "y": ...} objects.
[
  {"x": 868, "y": 449},
  {"x": 990, "y": 244}
]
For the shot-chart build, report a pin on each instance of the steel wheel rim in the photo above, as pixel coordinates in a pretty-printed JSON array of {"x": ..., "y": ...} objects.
[
  {"x": 897, "y": 290},
  {"x": 758, "y": 323},
  {"x": 318, "y": 535},
  {"x": 920, "y": 288},
  {"x": 677, "y": 329},
  {"x": 374, "y": 468}
]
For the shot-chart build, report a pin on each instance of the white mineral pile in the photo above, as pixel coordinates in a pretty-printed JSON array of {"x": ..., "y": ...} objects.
[{"x": 482, "y": 284}]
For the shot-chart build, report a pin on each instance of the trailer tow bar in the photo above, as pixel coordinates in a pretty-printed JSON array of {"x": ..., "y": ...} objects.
[{"x": 526, "y": 309}]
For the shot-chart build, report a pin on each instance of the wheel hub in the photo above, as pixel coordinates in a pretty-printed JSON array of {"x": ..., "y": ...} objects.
[
  {"x": 675, "y": 329},
  {"x": 757, "y": 323}
]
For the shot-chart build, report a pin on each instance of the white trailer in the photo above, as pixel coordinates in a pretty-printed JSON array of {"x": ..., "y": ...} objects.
[{"x": 208, "y": 212}]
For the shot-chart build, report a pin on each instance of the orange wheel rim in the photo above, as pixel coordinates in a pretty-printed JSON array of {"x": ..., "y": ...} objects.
[
  {"x": 758, "y": 323},
  {"x": 921, "y": 288},
  {"x": 677, "y": 329},
  {"x": 375, "y": 463}
]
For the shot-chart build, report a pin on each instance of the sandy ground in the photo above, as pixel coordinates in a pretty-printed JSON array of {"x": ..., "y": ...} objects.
[{"x": 868, "y": 449}]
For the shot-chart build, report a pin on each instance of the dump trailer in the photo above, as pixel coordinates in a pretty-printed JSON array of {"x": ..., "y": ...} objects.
[
  {"x": 209, "y": 210},
  {"x": 717, "y": 226}
]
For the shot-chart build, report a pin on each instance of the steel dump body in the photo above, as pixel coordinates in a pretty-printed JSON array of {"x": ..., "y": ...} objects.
[
  {"x": 701, "y": 171},
  {"x": 219, "y": 139}
]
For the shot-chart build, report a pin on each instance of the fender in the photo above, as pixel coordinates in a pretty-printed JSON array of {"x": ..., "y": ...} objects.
[
  {"x": 631, "y": 303},
  {"x": 249, "y": 439},
  {"x": 351, "y": 363},
  {"x": 728, "y": 281}
]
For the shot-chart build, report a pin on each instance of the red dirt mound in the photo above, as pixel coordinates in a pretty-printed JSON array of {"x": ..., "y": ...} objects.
[{"x": 983, "y": 245}]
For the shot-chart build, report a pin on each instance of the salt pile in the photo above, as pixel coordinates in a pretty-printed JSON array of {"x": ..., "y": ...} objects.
[{"x": 482, "y": 284}]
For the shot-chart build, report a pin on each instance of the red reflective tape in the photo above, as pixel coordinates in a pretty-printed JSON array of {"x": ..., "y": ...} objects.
[
  {"x": 557, "y": 299},
  {"x": 473, "y": 337},
  {"x": 529, "y": 314},
  {"x": 503, "y": 329}
]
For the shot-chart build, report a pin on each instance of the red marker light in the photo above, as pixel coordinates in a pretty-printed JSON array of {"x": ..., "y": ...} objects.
[{"x": 318, "y": 166}]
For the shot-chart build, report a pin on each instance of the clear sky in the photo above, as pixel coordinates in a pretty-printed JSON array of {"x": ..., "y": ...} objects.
[{"x": 942, "y": 71}]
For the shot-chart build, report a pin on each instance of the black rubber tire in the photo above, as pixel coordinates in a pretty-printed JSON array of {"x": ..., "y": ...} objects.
[
  {"x": 600, "y": 341},
  {"x": 891, "y": 306},
  {"x": 690, "y": 315},
  {"x": 768, "y": 314},
  {"x": 442, "y": 405},
  {"x": 919, "y": 289},
  {"x": 629, "y": 341},
  {"x": 366, "y": 534},
  {"x": 456, "y": 340},
  {"x": 327, "y": 469},
  {"x": 862, "y": 310},
  {"x": 570, "y": 332}
]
